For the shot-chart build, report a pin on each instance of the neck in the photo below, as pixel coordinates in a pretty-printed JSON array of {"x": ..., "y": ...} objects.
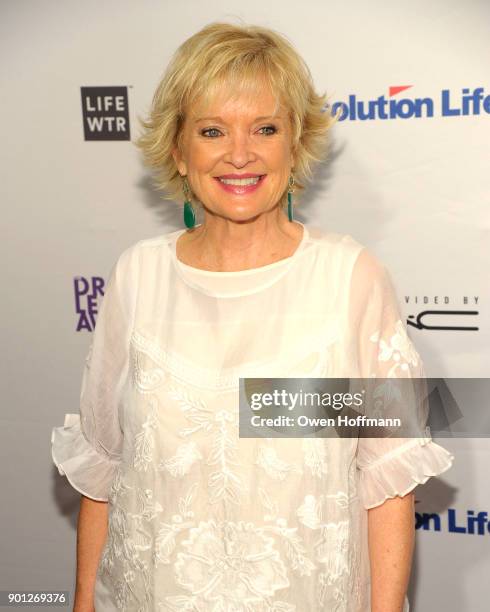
[{"x": 223, "y": 244}]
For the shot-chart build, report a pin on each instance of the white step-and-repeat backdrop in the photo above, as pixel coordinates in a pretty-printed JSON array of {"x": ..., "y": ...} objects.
[{"x": 408, "y": 176}]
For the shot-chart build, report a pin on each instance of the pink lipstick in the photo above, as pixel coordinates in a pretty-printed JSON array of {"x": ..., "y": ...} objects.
[{"x": 240, "y": 184}]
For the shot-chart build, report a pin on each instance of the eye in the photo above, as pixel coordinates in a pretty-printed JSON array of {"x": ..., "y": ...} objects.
[
  {"x": 207, "y": 130},
  {"x": 214, "y": 132},
  {"x": 269, "y": 127}
]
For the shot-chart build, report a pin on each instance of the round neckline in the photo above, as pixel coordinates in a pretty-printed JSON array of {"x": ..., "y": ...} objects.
[
  {"x": 179, "y": 233},
  {"x": 197, "y": 277}
]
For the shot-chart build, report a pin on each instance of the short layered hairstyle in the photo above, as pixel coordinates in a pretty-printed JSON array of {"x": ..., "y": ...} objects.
[{"x": 239, "y": 58}]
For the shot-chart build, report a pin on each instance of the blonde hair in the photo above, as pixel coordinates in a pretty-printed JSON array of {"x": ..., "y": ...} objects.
[{"x": 238, "y": 57}]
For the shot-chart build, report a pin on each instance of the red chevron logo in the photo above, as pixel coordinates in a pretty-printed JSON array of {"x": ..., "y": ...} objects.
[{"x": 394, "y": 89}]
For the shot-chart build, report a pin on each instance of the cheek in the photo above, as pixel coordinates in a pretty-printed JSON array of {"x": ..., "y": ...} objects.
[
  {"x": 278, "y": 157},
  {"x": 203, "y": 156}
]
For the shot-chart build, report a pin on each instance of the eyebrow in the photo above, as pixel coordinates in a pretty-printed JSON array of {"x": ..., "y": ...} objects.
[{"x": 220, "y": 119}]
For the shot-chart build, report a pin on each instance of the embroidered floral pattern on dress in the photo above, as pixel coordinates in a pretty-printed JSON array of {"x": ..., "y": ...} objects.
[
  {"x": 181, "y": 463},
  {"x": 231, "y": 565},
  {"x": 179, "y": 603},
  {"x": 315, "y": 454},
  {"x": 222, "y": 425},
  {"x": 313, "y": 509},
  {"x": 331, "y": 547},
  {"x": 118, "y": 488},
  {"x": 292, "y": 542},
  {"x": 275, "y": 467},
  {"x": 147, "y": 507},
  {"x": 181, "y": 369},
  {"x": 147, "y": 378},
  {"x": 312, "y": 359},
  {"x": 144, "y": 442},
  {"x": 130, "y": 541},
  {"x": 200, "y": 519},
  {"x": 166, "y": 539},
  {"x": 120, "y": 566},
  {"x": 399, "y": 349}
]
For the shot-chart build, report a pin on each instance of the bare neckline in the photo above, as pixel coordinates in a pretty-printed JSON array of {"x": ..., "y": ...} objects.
[
  {"x": 233, "y": 284},
  {"x": 277, "y": 263}
]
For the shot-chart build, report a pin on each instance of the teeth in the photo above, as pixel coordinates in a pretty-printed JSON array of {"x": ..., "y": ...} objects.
[{"x": 245, "y": 181}]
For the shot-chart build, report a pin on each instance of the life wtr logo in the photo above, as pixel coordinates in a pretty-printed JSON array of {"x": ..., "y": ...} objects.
[{"x": 105, "y": 113}]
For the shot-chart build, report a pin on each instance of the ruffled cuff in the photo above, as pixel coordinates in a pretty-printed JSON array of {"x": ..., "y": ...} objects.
[
  {"x": 401, "y": 471},
  {"x": 87, "y": 470}
]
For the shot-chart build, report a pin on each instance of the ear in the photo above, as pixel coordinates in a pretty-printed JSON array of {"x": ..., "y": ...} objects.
[{"x": 179, "y": 162}]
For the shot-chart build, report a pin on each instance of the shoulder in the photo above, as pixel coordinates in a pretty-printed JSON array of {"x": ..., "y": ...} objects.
[
  {"x": 144, "y": 251},
  {"x": 346, "y": 249},
  {"x": 333, "y": 241},
  {"x": 368, "y": 267},
  {"x": 135, "y": 264},
  {"x": 351, "y": 262},
  {"x": 370, "y": 283}
]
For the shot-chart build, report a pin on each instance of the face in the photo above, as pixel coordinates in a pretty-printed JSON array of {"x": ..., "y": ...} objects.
[{"x": 236, "y": 155}]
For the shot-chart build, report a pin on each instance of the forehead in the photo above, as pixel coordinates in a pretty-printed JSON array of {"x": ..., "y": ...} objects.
[{"x": 247, "y": 102}]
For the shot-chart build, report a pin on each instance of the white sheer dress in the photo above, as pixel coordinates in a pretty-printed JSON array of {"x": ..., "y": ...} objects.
[{"x": 199, "y": 518}]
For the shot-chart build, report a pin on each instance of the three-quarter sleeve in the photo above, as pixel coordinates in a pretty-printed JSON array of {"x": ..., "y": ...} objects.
[
  {"x": 88, "y": 447},
  {"x": 390, "y": 466}
]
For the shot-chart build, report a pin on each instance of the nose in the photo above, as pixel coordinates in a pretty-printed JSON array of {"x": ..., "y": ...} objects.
[{"x": 240, "y": 151}]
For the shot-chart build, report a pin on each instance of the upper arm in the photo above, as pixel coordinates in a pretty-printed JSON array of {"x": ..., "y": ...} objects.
[
  {"x": 88, "y": 447},
  {"x": 389, "y": 465}
]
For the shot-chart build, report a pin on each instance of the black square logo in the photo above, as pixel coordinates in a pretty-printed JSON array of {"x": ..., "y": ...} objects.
[{"x": 105, "y": 113}]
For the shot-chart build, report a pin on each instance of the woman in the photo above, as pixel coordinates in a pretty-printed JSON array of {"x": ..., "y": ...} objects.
[{"x": 200, "y": 519}]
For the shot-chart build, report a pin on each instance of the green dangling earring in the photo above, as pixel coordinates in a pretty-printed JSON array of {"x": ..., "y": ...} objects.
[
  {"x": 290, "y": 197},
  {"x": 189, "y": 215}
]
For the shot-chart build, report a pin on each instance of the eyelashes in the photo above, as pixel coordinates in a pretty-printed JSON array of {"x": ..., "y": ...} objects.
[
  {"x": 206, "y": 132},
  {"x": 270, "y": 127}
]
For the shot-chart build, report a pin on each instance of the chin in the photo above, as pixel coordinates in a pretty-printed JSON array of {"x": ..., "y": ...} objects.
[{"x": 237, "y": 212}]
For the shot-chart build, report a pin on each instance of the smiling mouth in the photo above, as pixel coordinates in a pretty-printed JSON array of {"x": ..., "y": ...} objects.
[{"x": 253, "y": 180}]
